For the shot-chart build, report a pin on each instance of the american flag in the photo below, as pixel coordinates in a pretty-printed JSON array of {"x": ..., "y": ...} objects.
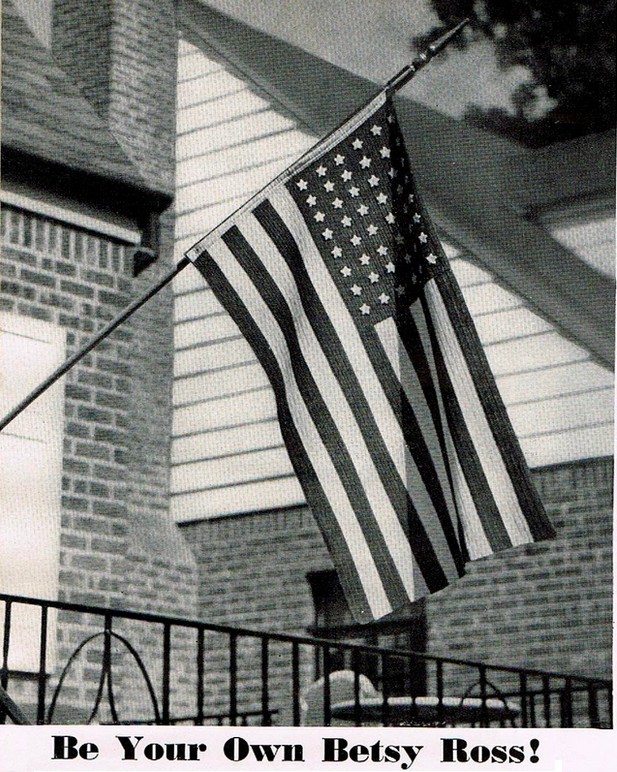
[{"x": 389, "y": 411}]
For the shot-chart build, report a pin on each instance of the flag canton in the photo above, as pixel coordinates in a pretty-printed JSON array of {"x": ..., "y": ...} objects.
[{"x": 361, "y": 206}]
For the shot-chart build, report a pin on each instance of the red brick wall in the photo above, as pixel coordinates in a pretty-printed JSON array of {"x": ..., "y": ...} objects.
[
  {"x": 545, "y": 605},
  {"x": 118, "y": 546}
]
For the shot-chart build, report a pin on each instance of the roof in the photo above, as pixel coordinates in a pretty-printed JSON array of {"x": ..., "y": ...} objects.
[{"x": 45, "y": 116}]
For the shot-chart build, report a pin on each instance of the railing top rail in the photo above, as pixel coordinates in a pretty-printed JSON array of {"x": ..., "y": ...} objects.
[{"x": 291, "y": 638}]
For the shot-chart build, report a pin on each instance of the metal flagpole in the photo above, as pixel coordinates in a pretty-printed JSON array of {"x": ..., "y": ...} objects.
[{"x": 393, "y": 85}]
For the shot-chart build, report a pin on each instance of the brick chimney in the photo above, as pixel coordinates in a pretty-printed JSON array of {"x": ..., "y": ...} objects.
[{"x": 122, "y": 54}]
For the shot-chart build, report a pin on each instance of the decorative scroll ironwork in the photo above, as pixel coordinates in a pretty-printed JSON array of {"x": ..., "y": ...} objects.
[
  {"x": 106, "y": 677},
  {"x": 237, "y": 676}
]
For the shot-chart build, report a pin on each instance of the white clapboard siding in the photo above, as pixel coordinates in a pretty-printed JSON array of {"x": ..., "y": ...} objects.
[
  {"x": 563, "y": 413},
  {"x": 249, "y": 127},
  {"x": 231, "y": 469},
  {"x": 216, "y": 383},
  {"x": 233, "y": 499},
  {"x": 196, "y": 304},
  {"x": 239, "y": 156},
  {"x": 237, "y": 439},
  {"x": 197, "y": 223},
  {"x": 199, "y": 116},
  {"x": 517, "y": 323},
  {"x": 205, "y": 88},
  {"x": 206, "y": 355},
  {"x": 235, "y": 410},
  {"x": 227, "y": 453},
  {"x": 535, "y": 351},
  {"x": 572, "y": 445},
  {"x": 209, "y": 192},
  {"x": 489, "y": 298},
  {"x": 537, "y": 386},
  {"x": 219, "y": 326}
]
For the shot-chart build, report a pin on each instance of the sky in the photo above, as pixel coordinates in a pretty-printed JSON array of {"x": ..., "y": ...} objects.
[{"x": 372, "y": 38}]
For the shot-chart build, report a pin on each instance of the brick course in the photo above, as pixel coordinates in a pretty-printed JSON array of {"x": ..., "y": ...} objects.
[
  {"x": 116, "y": 433},
  {"x": 544, "y": 605}
]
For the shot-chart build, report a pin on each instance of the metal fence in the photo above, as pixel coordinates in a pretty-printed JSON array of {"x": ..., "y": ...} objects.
[{"x": 69, "y": 663}]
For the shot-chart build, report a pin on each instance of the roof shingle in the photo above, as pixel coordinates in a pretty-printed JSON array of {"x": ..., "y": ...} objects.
[{"x": 45, "y": 116}]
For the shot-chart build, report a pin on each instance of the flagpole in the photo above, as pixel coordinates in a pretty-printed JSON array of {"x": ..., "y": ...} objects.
[
  {"x": 393, "y": 85},
  {"x": 407, "y": 73}
]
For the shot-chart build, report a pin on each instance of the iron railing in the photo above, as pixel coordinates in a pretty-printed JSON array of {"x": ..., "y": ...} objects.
[{"x": 71, "y": 663}]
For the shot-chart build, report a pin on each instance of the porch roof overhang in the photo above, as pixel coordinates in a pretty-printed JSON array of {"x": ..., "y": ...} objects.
[{"x": 481, "y": 190}]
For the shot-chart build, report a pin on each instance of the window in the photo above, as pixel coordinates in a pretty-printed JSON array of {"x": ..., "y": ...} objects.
[
  {"x": 404, "y": 631},
  {"x": 30, "y": 478}
]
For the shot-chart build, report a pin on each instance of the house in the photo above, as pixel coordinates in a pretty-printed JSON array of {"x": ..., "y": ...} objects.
[
  {"x": 118, "y": 154},
  {"x": 85, "y": 471}
]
